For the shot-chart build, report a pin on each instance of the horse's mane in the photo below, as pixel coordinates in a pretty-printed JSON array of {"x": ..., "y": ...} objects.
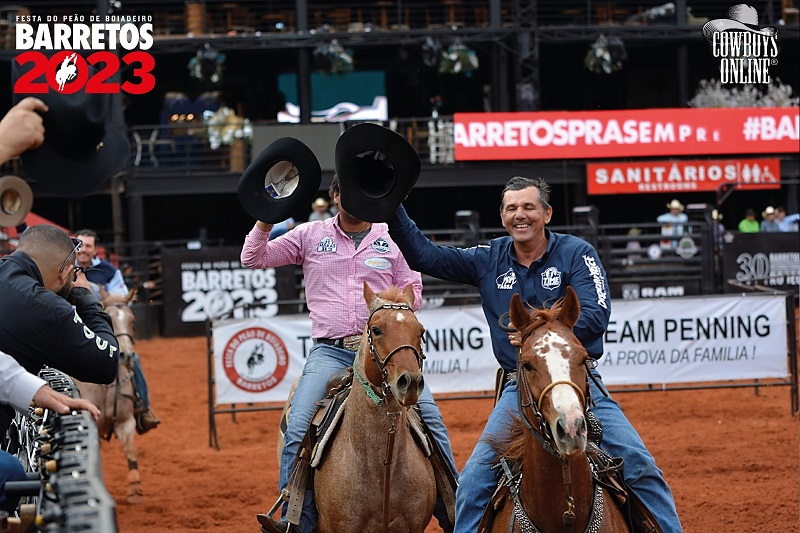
[{"x": 540, "y": 317}]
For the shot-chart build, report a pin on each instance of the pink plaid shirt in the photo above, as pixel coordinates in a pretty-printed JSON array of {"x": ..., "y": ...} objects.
[{"x": 334, "y": 270}]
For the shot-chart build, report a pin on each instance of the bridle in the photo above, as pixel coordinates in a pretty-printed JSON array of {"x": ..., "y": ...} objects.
[
  {"x": 383, "y": 361},
  {"x": 384, "y": 391},
  {"x": 526, "y": 405}
]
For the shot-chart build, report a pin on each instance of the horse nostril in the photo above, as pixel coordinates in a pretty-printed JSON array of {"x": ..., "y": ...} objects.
[
  {"x": 561, "y": 433},
  {"x": 581, "y": 426},
  {"x": 420, "y": 384},
  {"x": 403, "y": 383}
]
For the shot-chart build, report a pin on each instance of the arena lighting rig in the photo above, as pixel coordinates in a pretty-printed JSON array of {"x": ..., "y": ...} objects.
[{"x": 65, "y": 491}]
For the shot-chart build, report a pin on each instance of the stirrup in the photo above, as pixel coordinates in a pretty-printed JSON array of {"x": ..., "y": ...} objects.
[{"x": 269, "y": 524}]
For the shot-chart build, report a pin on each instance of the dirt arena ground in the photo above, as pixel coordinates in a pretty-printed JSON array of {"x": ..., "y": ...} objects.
[{"x": 730, "y": 455}]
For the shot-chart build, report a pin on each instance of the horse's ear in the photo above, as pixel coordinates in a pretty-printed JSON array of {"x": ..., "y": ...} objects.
[
  {"x": 132, "y": 294},
  {"x": 517, "y": 313},
  {"x": 369, "y": 295},
  {"x": 103, "y": 292},
  {"x": 570, "y": 308},
  {"x": 408, "y": 295}
]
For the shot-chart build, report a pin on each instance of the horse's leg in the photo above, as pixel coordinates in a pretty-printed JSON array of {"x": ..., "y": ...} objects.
[{"x": 125, "y": 431}]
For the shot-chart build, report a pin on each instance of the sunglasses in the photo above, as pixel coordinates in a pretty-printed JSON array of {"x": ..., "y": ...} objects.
[{"x": 78, "y": 245}]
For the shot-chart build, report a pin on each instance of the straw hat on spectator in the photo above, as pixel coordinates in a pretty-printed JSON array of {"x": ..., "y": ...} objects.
[
  {"x": 675, "y": 204},
  {"x": 768, "y": 211}
]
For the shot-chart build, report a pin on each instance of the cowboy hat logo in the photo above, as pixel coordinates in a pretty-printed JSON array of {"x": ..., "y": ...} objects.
[{"x": 741, "y": 17}]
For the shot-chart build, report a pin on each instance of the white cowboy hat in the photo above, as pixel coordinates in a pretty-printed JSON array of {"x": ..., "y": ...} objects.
[
  {"x": 716, "y": 215},
  {"x": 740, "y": 17},
  {"x": 768, "y": 211},
  {"x": 675, "y": 204}
]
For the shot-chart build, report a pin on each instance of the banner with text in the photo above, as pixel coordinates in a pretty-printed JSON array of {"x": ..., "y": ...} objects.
[
  {"x": 681, "y": 176},
  {"x": 678, "y": 340},
  {"x": 682, "y": 340},
  {"x": 625, "y": 133},
  {"x": 257, "y": 360}
]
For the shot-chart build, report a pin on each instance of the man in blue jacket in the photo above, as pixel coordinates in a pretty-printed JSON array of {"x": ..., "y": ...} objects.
[{"x": 539, "y": 265}]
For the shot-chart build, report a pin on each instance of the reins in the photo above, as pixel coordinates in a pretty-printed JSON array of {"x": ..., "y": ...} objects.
[
  {"x": 378, "y": 400},
  {"x": 540, "y": 430}
]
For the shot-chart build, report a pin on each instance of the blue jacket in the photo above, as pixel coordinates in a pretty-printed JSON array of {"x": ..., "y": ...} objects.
[
  {"x": 493, "y": 268},
  {"x": 39, "y": 327}
]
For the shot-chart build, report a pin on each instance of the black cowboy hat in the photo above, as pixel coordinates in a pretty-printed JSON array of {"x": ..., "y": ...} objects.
[
  {"x": 282, "y": 179},
  {"x": 82, "y": 147},
  {"x": 377, "y": 168}
]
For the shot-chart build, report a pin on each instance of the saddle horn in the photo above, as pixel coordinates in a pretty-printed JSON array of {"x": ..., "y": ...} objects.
[{"x": 16, "y": 200}]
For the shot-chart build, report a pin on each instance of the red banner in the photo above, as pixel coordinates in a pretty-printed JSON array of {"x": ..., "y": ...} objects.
[
  {"x": 628, "y": 133},
  {"x": 681, "y": 176}
]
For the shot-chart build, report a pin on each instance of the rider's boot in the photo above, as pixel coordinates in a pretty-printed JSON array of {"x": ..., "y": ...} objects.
[{"x": 270, "y": 525}]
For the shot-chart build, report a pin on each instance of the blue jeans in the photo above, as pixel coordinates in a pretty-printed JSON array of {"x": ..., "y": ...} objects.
[
  {"x": 10, "y": 470},
  {"x": 477, "y": 481},
  {"x": 322, "y": 362},
  {"x": 139, "y": 382}
]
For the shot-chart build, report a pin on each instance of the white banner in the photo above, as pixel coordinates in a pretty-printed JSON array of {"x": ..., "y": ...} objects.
[
  {"x": 674, "y": 340},
  {"x": 681, "y": 340}
]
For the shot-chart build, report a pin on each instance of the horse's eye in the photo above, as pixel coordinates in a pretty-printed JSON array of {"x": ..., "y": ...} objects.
[
  {"x": 527, "y": 366},
  {"x": 376, "y": 330}
]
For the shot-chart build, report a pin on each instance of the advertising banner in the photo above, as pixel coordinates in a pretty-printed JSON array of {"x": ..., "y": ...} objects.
[
  {"x": 625, "y": 133},
  {"x": 211, "y": 283},
  {"x": 767, "y": 259},
  {"x": 676, "y": 341},
  {"x": 681, "y": 176}
]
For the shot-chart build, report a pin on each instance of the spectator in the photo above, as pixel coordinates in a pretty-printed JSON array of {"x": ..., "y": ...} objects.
[
  {"x": 769, "y": 224},
  {"x": 101, "y": 273},
  {"x": 749, "y": 224},
  {"x": 719, "y": 229},
  {"x": 40, "y": 285},
  {"x": 673, "y": 223},
  {"x": 634, "y": 246},
  {"x": 19, "y": 389},
  {"x": 786, "y": 222},
  {"x": 320, "y": 210}
]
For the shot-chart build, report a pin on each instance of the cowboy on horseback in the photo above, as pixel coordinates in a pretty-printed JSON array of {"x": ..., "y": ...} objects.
[
  {"x": 101, "y": 273},
  {"x": 337, "y": 255},
  {"x": 538, "y": 264}
]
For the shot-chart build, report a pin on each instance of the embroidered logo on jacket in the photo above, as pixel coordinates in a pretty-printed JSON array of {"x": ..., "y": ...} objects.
[
  {"x": 551, "y": 278},
  {"x": 507, "y": 280},
  {"x": 597, "y": 278},
  {"x": 381, "y": 245},
  {"x": 326, "y": 245}
]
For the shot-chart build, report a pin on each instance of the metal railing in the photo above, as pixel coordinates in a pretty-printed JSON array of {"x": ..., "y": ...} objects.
[{"x": 184, "y": 145}]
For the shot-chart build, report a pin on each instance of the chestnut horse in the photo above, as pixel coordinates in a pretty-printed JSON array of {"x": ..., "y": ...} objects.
[
  {"x": 116, "y": 401},
  {"x": 375, "y": 477},
  {"x": 557, "y": 491}
]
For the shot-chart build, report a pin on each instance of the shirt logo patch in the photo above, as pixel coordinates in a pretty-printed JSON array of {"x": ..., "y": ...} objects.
[
  {"x": 551, "y": 278},
  {"x": 507, "y": 280},
  {"x": 326, "y": 245},
  {"x": 381, "y": 245},
  {"x": 381, "y": 263}
]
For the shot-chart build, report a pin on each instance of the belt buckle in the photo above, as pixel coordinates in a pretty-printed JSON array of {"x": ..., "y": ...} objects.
[{"x": 352, "y": 343}]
